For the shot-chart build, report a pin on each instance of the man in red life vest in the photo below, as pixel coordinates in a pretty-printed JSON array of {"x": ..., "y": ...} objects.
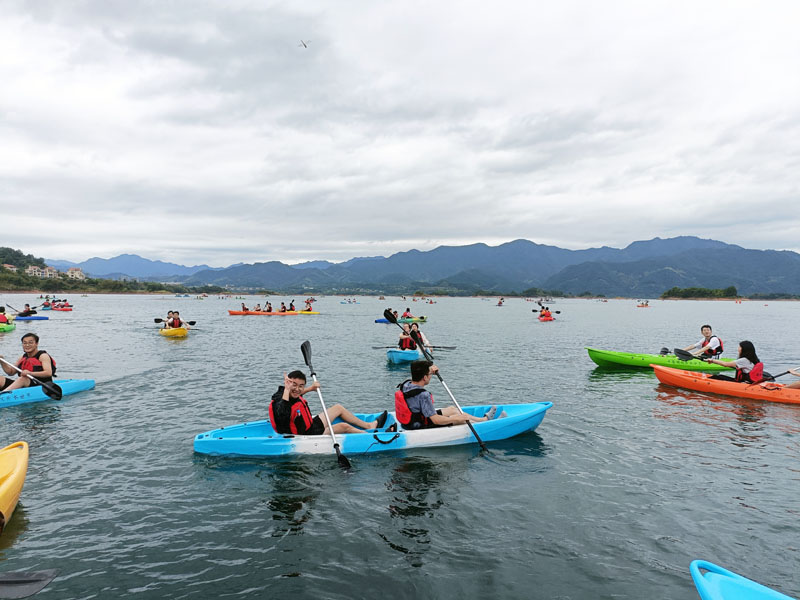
[
  {"x": 406, "y": 342},
  {"x": 289, "y": 412},
  {"x": 709, "y": 347},
  {"x": 32, "y": 362},
  {"x": 414, "y": 404}
]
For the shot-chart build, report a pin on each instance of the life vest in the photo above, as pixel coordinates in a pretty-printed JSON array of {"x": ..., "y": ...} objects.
[
  {"x": 712, "y": 351},
  {"x": 404, "y": 415},
  {"x": 298, "y": 409},
  {"x": 175, "y": 323},
  {"x": 3, "y": 318},
  {"x": 33, "y": 364},
  {"x": 407, "y": 343},
  {"x": 755, "y": 375}
]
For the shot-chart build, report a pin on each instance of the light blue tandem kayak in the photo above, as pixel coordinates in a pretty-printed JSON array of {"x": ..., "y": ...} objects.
[
  {"x": 715, "y": 583},
  {"x": 402, "y": 356},
  {"x": 35, "y": 393},
  {"x": 259, "y": 439}
]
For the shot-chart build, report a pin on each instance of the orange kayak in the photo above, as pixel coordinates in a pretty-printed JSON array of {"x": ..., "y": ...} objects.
[
  {"x": 702, "y": 382},
  {"x": 261, "y": 312}
]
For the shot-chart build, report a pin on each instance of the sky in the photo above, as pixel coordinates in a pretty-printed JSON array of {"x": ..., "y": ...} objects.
[{"x": 203, "y": 132}]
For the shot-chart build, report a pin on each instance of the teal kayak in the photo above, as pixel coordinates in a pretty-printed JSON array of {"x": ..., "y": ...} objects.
[
  {"x": 35, "y": 393},
  {"x": 403, "y": 356},
  {"x": 610, "y": 358},
  {"x": 715, "y": 583}
]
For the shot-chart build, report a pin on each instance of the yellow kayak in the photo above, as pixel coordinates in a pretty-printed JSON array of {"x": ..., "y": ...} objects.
[
  {"x": 174, "y": 332},
  {"x": 13, "y": 468}
]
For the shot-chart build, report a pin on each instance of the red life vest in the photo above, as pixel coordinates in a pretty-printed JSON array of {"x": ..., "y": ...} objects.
[
  {"x": 3, "y": 318},
  {"x": 33, "y": 364},
  {"x": 298, "y": 409},
  {"x": 407, "y": 343},
  {"x": 174, "y": 323},
  {"x": 712, "y": 351},
  {"x": 755, "y": 375},
  {"x": 404, "y": 415}
]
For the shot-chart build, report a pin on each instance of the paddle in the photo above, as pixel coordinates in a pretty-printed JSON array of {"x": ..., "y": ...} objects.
[
  {"x": 21, "y": 584},
  {"x": 157, "y": 320},
  {"x": 391, "y": 318},
  {"x": 685, "y": 355},
  {"x": 395, "y": 347},
  {"x": 305, "y": 348},
  {"x": 50, "y": 389},
  {"x": 557, "y": 312}
]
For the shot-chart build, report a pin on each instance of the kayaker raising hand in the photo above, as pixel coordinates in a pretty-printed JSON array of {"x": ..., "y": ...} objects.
[{"x": 290, "y": 414}]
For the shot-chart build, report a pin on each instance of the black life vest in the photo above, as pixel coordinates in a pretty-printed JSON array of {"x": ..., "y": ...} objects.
[
  {"x": 712, "y": 352},
  {"x": 404, "y": 415},
  {"x": 407, "y": 343},
  {"x": 298, "y": 410},
  {"x": 33, "y": 364}
]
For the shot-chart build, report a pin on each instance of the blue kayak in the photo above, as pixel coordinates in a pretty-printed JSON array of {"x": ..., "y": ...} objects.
[
  {"x": 381, "y": 320},
  {"x": 715, "y": 583},
  {"x": 35, "y": 393},
  {"x": 259, "y": 439},
  {"x": 403, "y": 356},
  {"x": 31, "y": 318}
]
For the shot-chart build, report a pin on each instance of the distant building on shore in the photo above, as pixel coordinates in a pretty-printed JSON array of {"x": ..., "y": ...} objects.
[
  {"x": 76, "y": 273},
  {"x": 11, "y": 268}
]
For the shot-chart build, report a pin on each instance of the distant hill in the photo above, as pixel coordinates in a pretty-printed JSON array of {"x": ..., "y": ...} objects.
[{"x": 128, "y": 264}]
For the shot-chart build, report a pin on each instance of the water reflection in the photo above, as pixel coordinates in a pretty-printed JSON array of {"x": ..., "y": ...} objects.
[
  {"x": 419, "y": 486},
  {"x": 616, "y": 374},
  {"x": 292, "y": 497}
]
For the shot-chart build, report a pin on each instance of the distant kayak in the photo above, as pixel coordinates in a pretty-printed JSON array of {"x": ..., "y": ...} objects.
[
  {"x": 32, "y": 318},
  {"x": 382, "y": 320},
  {"x": 610, "y": 358},
  {"x": 259, "y": 439},
  {"x": 715, "y": 583},
  {"x": 701, "y": 382},
  {"x": 13, "y": 468},
  {"x": 35, "y": 393},
  {"x": 62, "y": 308},
  {"x": 177, "y": 332},
  {"x": 261, "y": 312},
  {"x": 546, "y": 318},
  {"x": 401, "y": 356},
  {"x": 412, "y": 319}
]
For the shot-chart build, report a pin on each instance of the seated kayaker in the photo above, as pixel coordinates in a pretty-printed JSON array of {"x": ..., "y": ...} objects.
[
  {"x": 308, "y": 307},
  {"x": 291, "y": 306},
  {"x": 407, "y": 313},
  {"x": 27, "y": 311},
  {"x": 176, "y": 321},
  {"x": 168, "y": 320},
  {"x": 796, "y": 384},
  {"x": 32, "y": 362},
  {"x": 282, "y": 308},
  {"x": 3, "y": 317},
  {"x": 413, "y": 404},
  {"x": 244, "y": 308},
  {"x": 415, "y": 328},
  {"x": 268, "y": 307},
  {"x": 289, "y": 412},
  {"x": 708, "y": 347},
  {"x": 748, "y": 368},
  {"x": 406, "y": 342},
  {"x": 257, "y": 308}
]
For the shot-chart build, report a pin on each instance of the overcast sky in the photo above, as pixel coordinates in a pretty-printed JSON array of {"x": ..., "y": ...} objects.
[{"x": 204, "y": 132}]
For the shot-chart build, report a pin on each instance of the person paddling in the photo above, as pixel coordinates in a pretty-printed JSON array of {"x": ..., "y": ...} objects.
[
  {"x": 3, "y": 317},
  {"x": 175, "y": 322},
  {"x": 406, "y": 342},
  {"x": 33, "y": 361},
  {"x": 708, "y": 347},
  {"x": 748, "y": 368},
  {"x": 290, "y": 414},
  {"x": 407, "y": 313},
  {"x": 27, "y": 311},
  {"x": 414, "y": 404},
  {"x": 283, "y": 307},
  {"x": 421, "y": 336}
]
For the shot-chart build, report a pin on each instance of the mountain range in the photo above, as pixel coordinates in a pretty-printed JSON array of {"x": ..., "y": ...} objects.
[{"x": 643, "y": 268}]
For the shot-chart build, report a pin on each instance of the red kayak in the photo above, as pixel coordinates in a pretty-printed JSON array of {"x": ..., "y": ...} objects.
[
  {"x": 62, "y": 308},
  {"x": 546, "y": 318}
]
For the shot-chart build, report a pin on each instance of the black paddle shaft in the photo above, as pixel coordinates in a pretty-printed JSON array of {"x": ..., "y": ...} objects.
[{"x": 51, "y": 389}]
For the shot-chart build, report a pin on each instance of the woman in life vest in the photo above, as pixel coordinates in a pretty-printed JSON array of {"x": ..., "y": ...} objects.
[
  {"x": 420, "y": 336},
  {"x": 32, "y": 362},
  {"x": 406, "y": 342},
  {"x": 413, "y": 404},
  {"x": 708, "y": 347},
  {"x": 290, "y": 414},
  {"x": 748, "y": 368}
]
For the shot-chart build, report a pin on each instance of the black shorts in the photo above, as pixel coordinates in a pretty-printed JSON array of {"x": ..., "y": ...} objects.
[{"x": 317, "y": 427}]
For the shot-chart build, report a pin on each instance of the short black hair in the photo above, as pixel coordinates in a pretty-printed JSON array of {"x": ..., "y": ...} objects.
[
  {"x": 33, "y": 335},
  {"x": 704, "y": 326},
  {"x": 420, "y": 368},
  {"x": 297, "y": 375}
]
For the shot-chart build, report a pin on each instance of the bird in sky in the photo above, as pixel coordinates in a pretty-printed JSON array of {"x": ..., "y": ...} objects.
[{"x": 304, "y": 44}]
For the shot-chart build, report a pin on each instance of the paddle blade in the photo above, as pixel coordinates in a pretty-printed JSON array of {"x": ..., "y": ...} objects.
[
  {"x": 387, "y": 314},
  {"x": 343, "y": 462},
  {"x": 157, "y": 320},
  {"x": 684, "y": 355},
  {"x": 21, "y": 584},
  {"x": 52, "y": 390},
  {"x": 191, "y": 323},
  {"x": 305, "y": 348}
]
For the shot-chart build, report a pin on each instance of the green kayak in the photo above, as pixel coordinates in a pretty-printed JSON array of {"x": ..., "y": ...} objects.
[
  {"x": 609, "y": 358},
  {"x": 7, "y": 327}
]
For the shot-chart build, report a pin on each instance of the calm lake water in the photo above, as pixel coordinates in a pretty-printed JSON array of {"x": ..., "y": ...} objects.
[{"x": 623, "y": 484}]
